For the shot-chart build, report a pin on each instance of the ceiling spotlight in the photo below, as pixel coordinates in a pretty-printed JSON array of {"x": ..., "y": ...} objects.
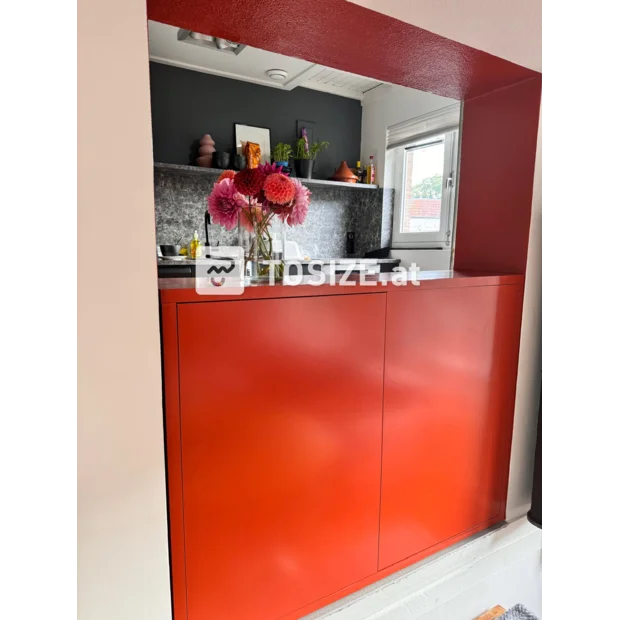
[
  {"x": 279, "y": 75},
  {"x": 210, "y": 42}
]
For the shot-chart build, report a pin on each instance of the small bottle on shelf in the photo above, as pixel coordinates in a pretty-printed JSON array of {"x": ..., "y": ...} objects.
[
  {"x": 370, "y": 171},
  {"x": 359, "y": 171}
]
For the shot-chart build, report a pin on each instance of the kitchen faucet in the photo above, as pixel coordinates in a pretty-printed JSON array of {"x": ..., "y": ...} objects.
[{"x": 207, "y": 222}]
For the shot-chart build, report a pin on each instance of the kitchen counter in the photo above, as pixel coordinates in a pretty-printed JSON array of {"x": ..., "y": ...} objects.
[
  {"x": 170, "y": 268},
  {"x": 184, "y": 289},
  {"x": 363, "y": 261}
]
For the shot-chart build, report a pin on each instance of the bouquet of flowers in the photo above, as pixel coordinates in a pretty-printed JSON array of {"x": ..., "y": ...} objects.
[{"x": 250, "y": 199}]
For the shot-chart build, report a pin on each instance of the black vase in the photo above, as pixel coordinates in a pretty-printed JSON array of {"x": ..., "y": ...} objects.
[
  {"x": 303, "y": 168},
  {"x": 238, "y": 162},
  {"x": 221, "y": 160}
]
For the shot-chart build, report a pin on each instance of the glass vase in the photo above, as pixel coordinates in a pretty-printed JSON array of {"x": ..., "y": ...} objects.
[{"x": 263, "y": 244}]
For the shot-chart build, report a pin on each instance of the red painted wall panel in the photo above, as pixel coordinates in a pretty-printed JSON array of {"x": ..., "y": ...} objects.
[
  {"x": 498, "y": 154},
  {"x": 450, "y": 369},
  {"x": 339, "y": 34},
  {"x": 280, "y": 416}
]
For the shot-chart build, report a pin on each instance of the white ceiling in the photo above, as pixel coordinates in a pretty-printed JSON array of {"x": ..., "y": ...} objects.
[
  {"x": 510, "y": 29},
  {"x": 252, "y": 64}
]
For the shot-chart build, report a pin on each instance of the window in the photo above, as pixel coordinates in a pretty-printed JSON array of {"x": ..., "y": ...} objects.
[
  {"x": 424, "y": 179},
  {"x": 421, "y": 161}
]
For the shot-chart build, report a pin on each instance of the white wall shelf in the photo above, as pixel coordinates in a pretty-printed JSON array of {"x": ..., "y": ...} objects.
[{"x": 214, "y": 172}]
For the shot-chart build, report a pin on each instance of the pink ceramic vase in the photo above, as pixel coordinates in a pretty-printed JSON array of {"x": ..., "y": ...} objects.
[{"x": 206, "y": 150}]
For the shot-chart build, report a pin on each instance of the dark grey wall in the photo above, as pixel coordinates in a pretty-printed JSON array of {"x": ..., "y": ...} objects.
[{"x": 187, "y": 104}]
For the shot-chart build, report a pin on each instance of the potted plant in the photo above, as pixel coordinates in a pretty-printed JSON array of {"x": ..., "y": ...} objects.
[
  {"x": 305, "y": 155},
  {"x": 282, "y": 153}
]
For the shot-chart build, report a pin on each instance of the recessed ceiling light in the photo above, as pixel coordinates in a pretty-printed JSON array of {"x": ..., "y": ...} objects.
[{"x": 279, "y": 75}]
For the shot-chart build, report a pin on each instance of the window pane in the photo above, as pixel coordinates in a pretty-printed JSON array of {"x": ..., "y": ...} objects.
[{"x": 423, "y": 187}]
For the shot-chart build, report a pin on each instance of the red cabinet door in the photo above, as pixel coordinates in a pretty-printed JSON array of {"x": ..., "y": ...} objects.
[
  {"x": 281, "y": 413},
  {"x": 451, "y": 362}
]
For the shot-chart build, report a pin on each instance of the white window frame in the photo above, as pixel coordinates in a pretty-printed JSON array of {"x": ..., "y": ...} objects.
[{"x": 442, "y": 238}]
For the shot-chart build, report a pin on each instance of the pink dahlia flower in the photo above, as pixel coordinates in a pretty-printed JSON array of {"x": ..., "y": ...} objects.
[
  {"x": 225, "y": 204},
  {"x": 271, "y": 169},
  {"x": 300, "y": 206}
]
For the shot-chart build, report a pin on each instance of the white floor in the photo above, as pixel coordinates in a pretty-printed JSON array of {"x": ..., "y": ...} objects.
[{"x": 502, "y": 566}]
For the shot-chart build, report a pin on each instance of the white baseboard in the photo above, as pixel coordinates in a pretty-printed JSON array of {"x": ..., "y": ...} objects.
[{"x": 440, "y": 579}]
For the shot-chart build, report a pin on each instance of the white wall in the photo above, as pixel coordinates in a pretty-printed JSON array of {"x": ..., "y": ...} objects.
[
  {"x": 122, "y": 526},
  {"x": 530, "y": 361},
  {"x": 387, "y": 105},
  {"x": 504, "y": 28}
]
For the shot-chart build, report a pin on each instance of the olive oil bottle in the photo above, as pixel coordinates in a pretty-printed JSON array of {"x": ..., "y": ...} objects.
[
  {"x": 359, "y": 173},
  {"x": 370, "y": 171},
  {"x": 195, "y": 249}
]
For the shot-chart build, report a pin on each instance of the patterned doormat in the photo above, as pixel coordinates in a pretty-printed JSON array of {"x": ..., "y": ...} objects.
[{"x": 518, "y": 612}]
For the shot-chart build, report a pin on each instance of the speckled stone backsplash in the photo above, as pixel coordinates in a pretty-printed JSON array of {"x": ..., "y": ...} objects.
[{"x": 180, "y": 203}]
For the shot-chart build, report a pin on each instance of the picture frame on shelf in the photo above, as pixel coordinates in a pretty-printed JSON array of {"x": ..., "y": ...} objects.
[
  {"x": 311, "y": 130},
  {"x": 257, "y": 135}
]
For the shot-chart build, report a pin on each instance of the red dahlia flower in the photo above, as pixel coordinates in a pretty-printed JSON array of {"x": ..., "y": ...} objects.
[
  {"x": 279, "y": 189},
  {"x": 249, "y": 181},
  {"x": 227, "y": 174}
]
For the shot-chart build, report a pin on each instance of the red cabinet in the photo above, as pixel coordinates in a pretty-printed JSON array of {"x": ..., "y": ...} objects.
[
  {"x": 319, "y": 439},
  {"x": 280, "y": 411},
  {"x": 450, "y": 372}
]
